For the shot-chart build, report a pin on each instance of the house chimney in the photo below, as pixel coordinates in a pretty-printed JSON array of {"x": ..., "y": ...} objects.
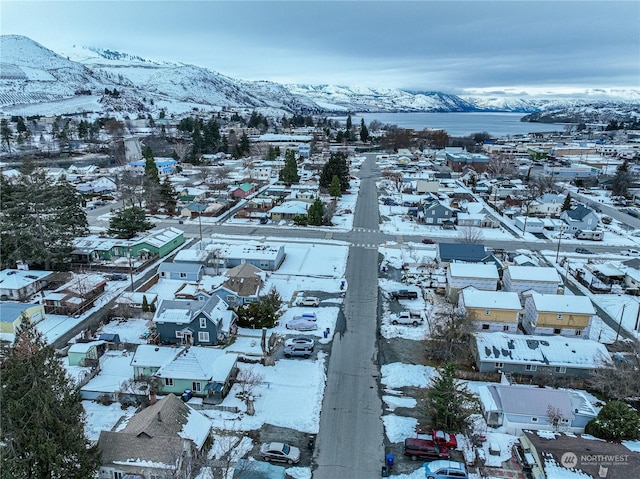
[{"x": 159, "y": 417}]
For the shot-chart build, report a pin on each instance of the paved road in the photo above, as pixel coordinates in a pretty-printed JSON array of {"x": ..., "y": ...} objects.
[{"x": 351, "y": 438}]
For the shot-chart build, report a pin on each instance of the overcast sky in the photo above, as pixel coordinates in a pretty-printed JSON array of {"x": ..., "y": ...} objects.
[{"x": 449, "y": 46}]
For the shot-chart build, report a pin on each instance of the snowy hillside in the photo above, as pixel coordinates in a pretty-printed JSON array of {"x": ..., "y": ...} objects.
[{"x": 115, "y": 83}]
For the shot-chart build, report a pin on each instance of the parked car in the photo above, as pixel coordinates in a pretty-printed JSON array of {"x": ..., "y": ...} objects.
[
  {"x": 309, "y": 301},
  {"x": 427, "y": 241},
  {"x": 264, "y": 220},
  {"x": 280, "y": 452},
  {"x": 630, "y": 252},
  {"x": 301, "y": 324},
  {"x": 118, "y": 277},
  {"x": 414, "y": 318},
  {"x": 583, "y": 251},
  {"x": 443, "y": 469},
  {"x": 416, "y": 449},
  {"x": 300, "y": 340},
  {"x": 444, "y": 438},
  {"x": 297, "y": 349},
  {"x": 404, "y": 294}
]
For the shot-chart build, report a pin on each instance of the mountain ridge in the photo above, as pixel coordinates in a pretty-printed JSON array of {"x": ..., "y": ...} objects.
[{"x": 33, "y": 74}]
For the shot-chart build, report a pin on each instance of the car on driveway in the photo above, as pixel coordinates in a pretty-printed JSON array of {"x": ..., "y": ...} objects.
[
  {"x": 301, "y": 324},
  {"x": 427, "y": 241},
  {"x": 301, "y": 350},
  {"x": 416, "y": 449},
  {"x": 404, "y": 294},
  {"x": 300, "y": 340},
  {"x": 413, "y": 318},
  {"x": 443, "y": 469},
  {"x": 444, "y": 438},
  {"x": 118, "y": 277},
  {"x": 583, "y": 251},
  {"x": 309, "y": 301},
  {"x": 279, "y": 452}
]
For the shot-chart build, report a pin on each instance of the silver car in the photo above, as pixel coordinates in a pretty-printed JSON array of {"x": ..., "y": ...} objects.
[{"x": 280, "y": 452}]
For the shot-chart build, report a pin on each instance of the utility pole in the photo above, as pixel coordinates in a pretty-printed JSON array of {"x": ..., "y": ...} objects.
[{"x": 620, "y": 322}]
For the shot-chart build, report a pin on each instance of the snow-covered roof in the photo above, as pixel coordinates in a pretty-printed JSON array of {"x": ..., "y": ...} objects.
[
  {"x": 191, "y": 256},
  {"x": 161, "y": 237},
  {"x": 17, "y": 279},
  {"x": 558, "y": 351},
  {"x": 473, "y": 270},
  {"x": 291, "y": 207},
  {"x": 475, "y": 298},
  {"x": 563, "y": 303},
  {"x": 83, "y": 348},
  {"x": 534, "y": 273},
  {"x": 150, "y": 355},
  {"x": 199, "y": 363}
]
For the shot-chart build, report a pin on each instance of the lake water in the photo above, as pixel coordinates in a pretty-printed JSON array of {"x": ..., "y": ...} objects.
[{"x": 458, "y": 124}]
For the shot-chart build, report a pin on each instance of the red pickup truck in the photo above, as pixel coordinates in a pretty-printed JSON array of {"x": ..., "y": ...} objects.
[{"x": 424, "y": 449}]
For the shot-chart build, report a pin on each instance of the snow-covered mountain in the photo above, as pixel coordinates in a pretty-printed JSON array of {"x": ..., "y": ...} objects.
[{"x": 35, "y": 80}]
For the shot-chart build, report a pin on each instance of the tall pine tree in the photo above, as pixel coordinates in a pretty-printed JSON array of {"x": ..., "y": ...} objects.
[
  {"x": 289, "y": 173},
  {"x": 335, "y": 166},
  {"x": 42, "y": 420}
]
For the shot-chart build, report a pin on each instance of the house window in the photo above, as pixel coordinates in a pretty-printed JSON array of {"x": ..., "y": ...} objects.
[
  {"x": 561, "y": 370},
  {"x": 534, "y": 419},
  {"x": 487, "y": 312},
  {"x": 578, "y": 332},
  {"x": 195, "y": 386},
  {"x": 559, "y": 315},
  {"x": 485, "y": 326},
  {"x": 531, "y": 367},
  {"x": 231, "y": 299},
  {"x": 179, "y": 334},
  {"x": 203, "y": 322},
  {"x": 183, "y": 275},
  {"x": 203, "y": 336},
  {"x": 117, "y": 475},
  {"x": 505, "y": 328},
  {"x": 499, "y": 365},
  {"x": 163, "y": 274},
  {"x": 557, "y": 331},
  {"x": 168, "y": 381}
]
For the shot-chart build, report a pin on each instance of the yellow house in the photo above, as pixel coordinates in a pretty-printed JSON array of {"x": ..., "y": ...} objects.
[
  {"x": 566, "y": 315},
  {"x": 11, "y": 315},
  {"x": 491, "y": 311}
]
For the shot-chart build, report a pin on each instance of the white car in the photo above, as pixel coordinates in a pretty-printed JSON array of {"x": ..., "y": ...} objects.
[
  {"x": 279, "y": 451},
  {"x": 630, "y": 252},
  {"x": 413, "y": 318},
  {"x": 309, "y": 301}
]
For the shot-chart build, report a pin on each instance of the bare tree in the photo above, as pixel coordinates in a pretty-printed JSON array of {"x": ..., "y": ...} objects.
[
  {"x": 451, "y": 333},
  {"x": 500, "y": 166},
  {"x": 470, "y": 235},
  {"x": 556, "y": 417},
  {"x": 182, "y": 150},
  {"x": 619, "y": 379},
  {"x": 248, "y": 379}
]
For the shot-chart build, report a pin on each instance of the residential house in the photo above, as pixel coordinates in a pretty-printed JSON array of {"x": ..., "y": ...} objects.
[
  {"x": 181, "y": 270},
  {"x": 76, "y": 296},
  {"x": 162, "y": 440},
  {"x": 191, "y": 194},
  {"x": 267, "y": 257},
  {"x": 491, "y": 310},
  {"x": 462, "y": 161},
  {"x": 206, "y": 372},
  {"x": 166, "y": 166},
  {"x": 512, "y": 408},
  {"x": 580, "y": 218},
  {"x": 86, "y": 354},
  {"x": 289, "y": 210},
  {"x": 475, "y": 214},
  {"x": 158, "y": 243},
  {"x": 93, "y": 249},
  {"x": 565, "y": 315},
  {"x": 100, "y": 185},
  {"x": 548, "y": 204},
  {"x": 436, "y": 213},
  {"x": 135, "y": 300},
  {"x": 243, "y": 285},
  {"x": 462, "y": 275},
  {"x": 18, "y": 284},
  {"x": 541, "y": 279},
  {"x": 531, "y": 224},
  {"x": 461, "y": 253},
  {"x": 11, "y": 315},
  {"x": 193, "y": 322},
  {"x": 427, "y": 186},
  {"x": 538, "y": 355},
  {"x": 549, "y": 449},
  {"x": 149, "y": 358},
  {"x": 242, "y": 191}
]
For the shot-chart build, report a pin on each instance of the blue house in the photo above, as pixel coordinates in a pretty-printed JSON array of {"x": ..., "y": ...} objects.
[
  {"x": 263, "y": 256},
  {"x": 184, "y": 271},
  {"x": 193, "y": 322},
  {"x": 462, "y": 253},
  {"x": 243, "y": 285}
]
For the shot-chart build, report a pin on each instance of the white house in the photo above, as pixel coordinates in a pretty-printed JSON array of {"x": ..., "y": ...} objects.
[
  {"x": 544, "y": 280},
  {"x": 549, "y": 204},
  {"x": 479, "y": 275}
]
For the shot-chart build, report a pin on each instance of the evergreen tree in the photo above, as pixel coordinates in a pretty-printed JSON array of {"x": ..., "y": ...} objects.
[
  {"x": 349, "y": 125},
  {"x": 224, "y": 147},
  {"x": 151, "y": 181},
  {"x": 211, "y": 136},
  {"x": 448, "y": 401},
  {"x": 566, "y": 205},
  {"x": 39, "y": 219},
  {"x": 289, "y": 173},
  {"x": 335, "y": 190},
  {"x": 127, "y": 222},
  {"x": 168, "y": 196},
  {"x": 6, "y": 133},
  {"x": 616, "y": 421},
  {"x": 364, "y": 132},
  {"x": 145, "y": 304},
  {"x": 42, "y": 420},
  {"x": 335, "y": 166},
  {"x": 622, "y": 180},
  {"x": 315, "y": 213},
  {"x": 244, "y": 146}
]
